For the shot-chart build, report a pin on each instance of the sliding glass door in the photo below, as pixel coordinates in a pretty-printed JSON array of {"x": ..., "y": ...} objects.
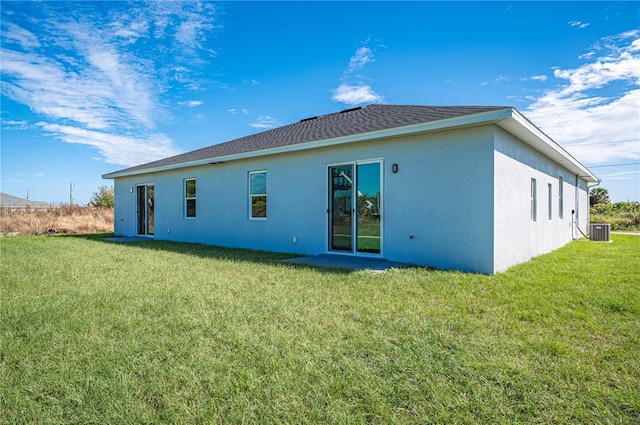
[
  {"x": 145, "y": 209},
  {"x": 368, "y": 215},
  {"x": 355, "y": 205},
  {"x": 341, "y": 206}
]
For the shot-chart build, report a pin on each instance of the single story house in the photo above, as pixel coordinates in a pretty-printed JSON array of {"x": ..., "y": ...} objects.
[
  {"x": 16, "y": 203},
  {"x": 472, "y": 188}
]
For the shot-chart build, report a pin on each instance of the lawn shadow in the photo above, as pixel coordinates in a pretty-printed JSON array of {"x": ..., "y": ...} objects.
[{"x": 214, "y": 252}]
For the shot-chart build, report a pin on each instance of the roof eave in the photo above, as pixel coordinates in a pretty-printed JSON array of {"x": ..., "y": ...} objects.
[
  {"x": 522, "y": 128},
  {"x": 508, "y": 119},
  {"x": 444, "y": 124}
]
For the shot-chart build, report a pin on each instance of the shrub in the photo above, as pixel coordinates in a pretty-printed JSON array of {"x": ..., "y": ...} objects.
[
  {"x": 104, "y": 197},
  {"x": 621, "y": 215}
]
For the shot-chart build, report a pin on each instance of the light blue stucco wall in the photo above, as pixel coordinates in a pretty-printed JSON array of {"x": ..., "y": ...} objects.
[
  {"x": 124, "y": 212},
  {"x": 439, "y": 204},
  {"x": 517, "y": 237},
  {"x": 438, "y": 207}
]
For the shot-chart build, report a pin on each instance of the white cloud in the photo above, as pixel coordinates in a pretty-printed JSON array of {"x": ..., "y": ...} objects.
[
  {"x": 356, "y": 94},
  {"x": 89, "y": 76},
  {"x": 264, "y": 122},
  {"x": 16, "y": 34},
  {"x": 14, "y": 125},
  {"x": 504, "y": 79},
  {"x": 116, "y": 149},
  {"x": 235, "y": 111},
  {"x": 353, "y": 91},
  {"x": 191, "y": 103},
  {"x": 622, "y": 175},
  {"x": 596, "y": 123},
  {"x": 579, "y": 24},
  {"x": 586, "y": 55},
  {"x": 130, "y": 28},
  {"x": 363, "y": 56},
  {"x": 104, "y": 92}
]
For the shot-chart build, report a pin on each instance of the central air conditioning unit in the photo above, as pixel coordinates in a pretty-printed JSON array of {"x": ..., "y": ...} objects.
[{"x": 600, "y": 232}]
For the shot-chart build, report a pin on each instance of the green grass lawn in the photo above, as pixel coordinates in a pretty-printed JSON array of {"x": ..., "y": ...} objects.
[{"x": 157, "y": 332}]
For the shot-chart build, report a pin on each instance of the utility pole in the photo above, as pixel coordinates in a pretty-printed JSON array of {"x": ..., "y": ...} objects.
[{"x": 70, "y": 193}]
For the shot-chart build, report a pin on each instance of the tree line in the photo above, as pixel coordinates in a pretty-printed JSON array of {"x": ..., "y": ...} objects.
[{"x": 621, "y": 215}]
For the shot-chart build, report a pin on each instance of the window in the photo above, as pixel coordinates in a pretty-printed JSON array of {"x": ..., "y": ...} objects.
[
  {"x": 550, "y": 196},
  {"x": 534, "y": 201},
  {"x": 258, "y": 194},
  {"x": 190, "y": 198},
  {"x": 560, "y": 197}
]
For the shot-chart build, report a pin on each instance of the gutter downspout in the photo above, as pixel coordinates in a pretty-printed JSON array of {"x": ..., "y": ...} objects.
[
  {"x": 577, "y": 200},
  {"x": 574, "y": 219},
  {"x": 589, "y": 200}
]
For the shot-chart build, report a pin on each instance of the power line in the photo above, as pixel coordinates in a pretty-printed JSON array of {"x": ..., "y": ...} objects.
[
  {"x": 601, "y": 143},
  {"x": 614, "y": 165}
]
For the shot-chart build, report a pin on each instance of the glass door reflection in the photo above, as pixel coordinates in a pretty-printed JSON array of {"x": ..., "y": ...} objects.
[
  {"x": 355, "y": 208},
  {"x": 368, "y": 208},
  {"x": 341, "y": 206}
]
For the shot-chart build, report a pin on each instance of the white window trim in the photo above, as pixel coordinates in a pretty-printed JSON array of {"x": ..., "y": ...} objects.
[
  {"x": 186, "y": 198},
  {"x": 561, "y": 197},
  {"x": 550, "y": 200},
  {"x": 534, "y": 200},
  {"x": 355, "y": 163},
  {"x": 252, "y": 195}
]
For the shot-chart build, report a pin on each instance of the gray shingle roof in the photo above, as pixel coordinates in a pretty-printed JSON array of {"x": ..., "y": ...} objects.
[{"x": 345, "y": 123}]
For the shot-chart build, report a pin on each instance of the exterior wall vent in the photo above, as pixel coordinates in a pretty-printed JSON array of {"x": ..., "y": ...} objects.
[{"x": 600, "y": 232}]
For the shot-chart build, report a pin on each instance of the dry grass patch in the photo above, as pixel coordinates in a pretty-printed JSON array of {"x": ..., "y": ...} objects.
[{"x": 68, "y": 219}]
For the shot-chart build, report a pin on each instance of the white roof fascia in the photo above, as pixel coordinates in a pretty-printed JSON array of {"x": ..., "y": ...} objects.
[
  {"x": 455, "y": 122},
  {"x": 522, "y": 128},
  {"x": 508, "y": 119}
]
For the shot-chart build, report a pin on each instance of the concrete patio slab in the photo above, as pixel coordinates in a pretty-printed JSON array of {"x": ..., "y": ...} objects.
[
  {"x": 346, "y": 262},
  {"x": 125, "y": 239}
]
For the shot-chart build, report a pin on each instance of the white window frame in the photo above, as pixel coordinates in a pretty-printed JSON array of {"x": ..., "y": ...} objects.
[
  {"x": 534, "y": 200},
  {"x": 550, "y": 200},
  {"x": 188, "y": 198},
  {"x": 560, "y": 197},
  {"x": 354, "y": 251},
  {"x": 256, "y": 195}
]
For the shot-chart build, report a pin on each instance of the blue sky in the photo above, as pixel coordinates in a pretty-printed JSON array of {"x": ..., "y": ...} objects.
[{"x": 93, "y": 87}]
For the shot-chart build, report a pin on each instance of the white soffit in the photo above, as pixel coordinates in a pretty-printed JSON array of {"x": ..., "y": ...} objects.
[{"x": 522, "y": 128}]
